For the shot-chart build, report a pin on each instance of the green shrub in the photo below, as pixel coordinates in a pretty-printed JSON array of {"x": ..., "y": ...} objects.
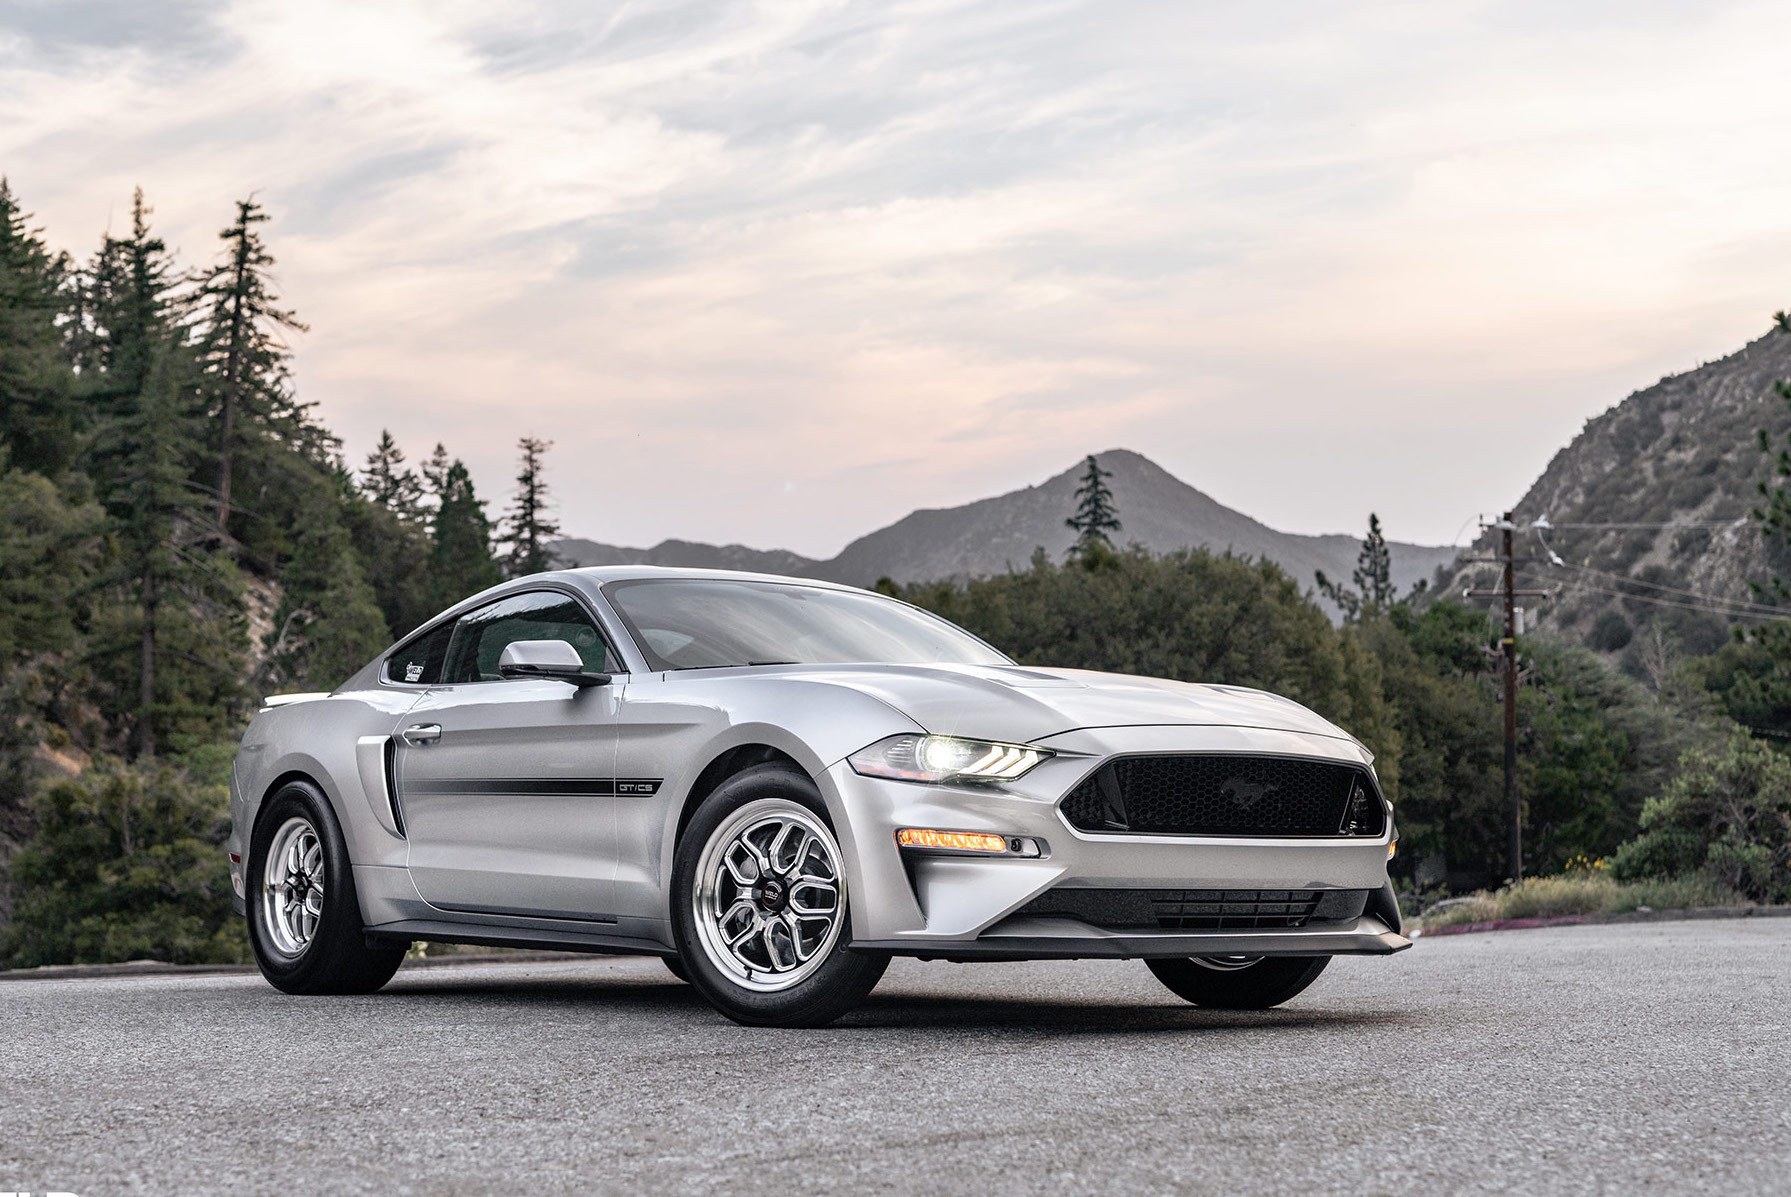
[
  {"x": 127, "y": 863},
  {"x": 1727, "y": 817},
  {"x": 1610, "y": 632}
]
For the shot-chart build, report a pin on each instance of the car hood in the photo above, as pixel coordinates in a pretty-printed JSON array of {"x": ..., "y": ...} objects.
[{"x": 1022, "y": 704}]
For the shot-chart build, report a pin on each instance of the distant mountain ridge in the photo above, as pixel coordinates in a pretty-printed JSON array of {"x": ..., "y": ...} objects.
[
  {"x": 993, "y": 535},
  {"x": 1651, "y": 511}
]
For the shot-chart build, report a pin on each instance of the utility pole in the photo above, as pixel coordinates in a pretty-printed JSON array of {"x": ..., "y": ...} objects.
[
  {"x": 1509, "y": 593},
  {"x": 1513, "y": 806}
]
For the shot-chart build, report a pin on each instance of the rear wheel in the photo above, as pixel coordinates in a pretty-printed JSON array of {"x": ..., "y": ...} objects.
[
  {"x": 759, "y": 905},
  {"x": 304, "y": 916},
  {"x": 1238, "y": 982}
]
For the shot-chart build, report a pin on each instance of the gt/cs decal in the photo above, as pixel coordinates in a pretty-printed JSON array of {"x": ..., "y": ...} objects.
[{"x": 595, "y": 787}]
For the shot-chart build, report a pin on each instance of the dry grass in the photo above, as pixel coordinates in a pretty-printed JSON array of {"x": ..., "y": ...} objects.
[{"x": 1580, "y": 892}]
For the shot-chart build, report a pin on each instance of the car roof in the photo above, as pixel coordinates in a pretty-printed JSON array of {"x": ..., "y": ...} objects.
[{"x": 601, "y": 574}]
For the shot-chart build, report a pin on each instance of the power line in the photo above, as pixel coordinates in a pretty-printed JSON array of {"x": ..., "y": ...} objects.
[
  {"x": 1712, "y": 602},
  {"x": 1737, "y": 521},
  {"x": 1581, "y": 587}
]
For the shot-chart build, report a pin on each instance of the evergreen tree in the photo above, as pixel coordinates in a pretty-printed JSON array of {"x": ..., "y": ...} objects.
[
  {"x": 36, "y": 415},
  {"x": 329, "y": 623},
  {"x": 401, "y": 549},
  {"x": 49, "y": 552},
  {"x": 1373, "y": 578},
  {"x": 182, "y": 604},
  {"x": 169, "y": 580},
  {"x": 460, "y": 560},
  {"x": 528, "y": 526},
  {"x": 134, "y": 309},
  {"x": 246, "y": 382},
  {"x": 387, "y": 482},
  {"x": 1095, "y": 514},
  {"x": 435, "y": 472},
  {"x": 125, "y": 865}
]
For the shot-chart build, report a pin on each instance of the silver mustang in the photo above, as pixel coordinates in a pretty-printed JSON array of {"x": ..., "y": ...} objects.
[{"x": 776, "y": 785}]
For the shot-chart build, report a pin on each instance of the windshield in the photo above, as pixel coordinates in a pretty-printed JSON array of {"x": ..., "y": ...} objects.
[{"x": 709, "y": 623}]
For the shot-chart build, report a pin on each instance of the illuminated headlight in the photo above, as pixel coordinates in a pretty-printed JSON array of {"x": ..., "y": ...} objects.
[{"x": 946, "y": 758}]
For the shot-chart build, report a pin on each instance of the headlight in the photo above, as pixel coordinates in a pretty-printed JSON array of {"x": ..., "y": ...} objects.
[{"x": 945, "y": 758}]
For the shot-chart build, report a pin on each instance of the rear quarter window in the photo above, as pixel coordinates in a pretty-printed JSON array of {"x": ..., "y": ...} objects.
[{"x": 418, "y": 661}]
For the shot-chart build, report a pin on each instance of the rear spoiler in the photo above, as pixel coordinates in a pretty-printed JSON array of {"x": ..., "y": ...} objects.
[{"x": 286, "y": 700}]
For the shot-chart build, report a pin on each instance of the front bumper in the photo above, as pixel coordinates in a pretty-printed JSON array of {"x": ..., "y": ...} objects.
[{"x": 968, "y": 907}]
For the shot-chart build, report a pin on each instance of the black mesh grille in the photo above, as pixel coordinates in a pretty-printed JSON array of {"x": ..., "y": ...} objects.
[
  {"x": 1227, "y": 909},
  {"x": 1226, "y": 795},
  {"x": 1198, "y": 909}
]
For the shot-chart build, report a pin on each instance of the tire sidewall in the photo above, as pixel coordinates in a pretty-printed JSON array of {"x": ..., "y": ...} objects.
[
  {"x": 341, "y": 917},
  {"x": 839, "y": 982}
]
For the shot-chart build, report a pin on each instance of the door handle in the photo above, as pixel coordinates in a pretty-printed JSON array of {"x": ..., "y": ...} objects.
[{"x": 420, "y": 734}]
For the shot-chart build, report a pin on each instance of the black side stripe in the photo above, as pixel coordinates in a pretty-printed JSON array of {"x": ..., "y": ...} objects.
[{"x": 594, "y": 787}]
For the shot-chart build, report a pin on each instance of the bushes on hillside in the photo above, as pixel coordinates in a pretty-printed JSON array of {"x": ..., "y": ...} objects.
[
  {"x": 1726, "y": 816},
  {"x": 126, "y": 864}
]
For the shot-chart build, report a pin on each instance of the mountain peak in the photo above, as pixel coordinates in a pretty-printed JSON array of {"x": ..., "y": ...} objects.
[
  {"x": 1156, "y": 509},
  {"x": 1651, "y": 506}
]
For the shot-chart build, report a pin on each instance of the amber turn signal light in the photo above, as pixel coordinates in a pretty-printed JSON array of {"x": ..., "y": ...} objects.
[
  {"x": 951, "y": 841},
  {"x": 982, "y": 843}
]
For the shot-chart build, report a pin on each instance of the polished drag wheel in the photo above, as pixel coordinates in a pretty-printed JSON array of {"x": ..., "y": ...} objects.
[
  {"x": 304, "y": 917},
  {"x": 768, "y": 901},
  {"x": 1239, "y": 982},
  {"x": 760, "y": 904},
  {"x": 292, "y": 887}
]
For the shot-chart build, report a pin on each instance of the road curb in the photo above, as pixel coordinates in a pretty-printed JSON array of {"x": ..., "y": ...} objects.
[
  {"x": 160, "y": 968},
  {"x": 1691, "y": 914}
]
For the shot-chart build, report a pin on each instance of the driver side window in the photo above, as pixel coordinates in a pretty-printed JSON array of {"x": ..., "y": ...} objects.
[{"x": 481, "y": 636}]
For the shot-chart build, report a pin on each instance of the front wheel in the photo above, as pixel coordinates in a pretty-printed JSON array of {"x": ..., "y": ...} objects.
[
  {"x": 304, "y": 917},
  {"x": 760, "y": 908},
  {"x": 1238, "y": 982}
]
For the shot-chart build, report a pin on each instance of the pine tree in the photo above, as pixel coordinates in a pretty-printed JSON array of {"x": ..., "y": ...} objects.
[
  {"x": 182, "y": 604},
  {"x": 36, "y": 414},
  {"x": 134, "y": 308},
  {"x": 329, "y": 622},
  {"x": 460, "y": 560},
  {"x": 435, "y": 470},
  {"x": 246, "y": 362},
  {"x": 528, "y": 526},
  {"x": 1373, "y": 590},
  {"x": 1095, "y": 514},
  {"x": 387, "y": 482},
  {"x": 174, "y": 587}
]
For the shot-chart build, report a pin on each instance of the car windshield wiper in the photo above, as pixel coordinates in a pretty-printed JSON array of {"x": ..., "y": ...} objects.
[{"x": 735, "y": 665}]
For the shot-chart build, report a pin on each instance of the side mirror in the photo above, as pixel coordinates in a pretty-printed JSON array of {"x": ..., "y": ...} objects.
[{"x": 549, "y": 659}]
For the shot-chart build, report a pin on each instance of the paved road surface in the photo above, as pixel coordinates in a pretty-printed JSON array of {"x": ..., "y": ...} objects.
[{"x": 1576, "y": 1059}]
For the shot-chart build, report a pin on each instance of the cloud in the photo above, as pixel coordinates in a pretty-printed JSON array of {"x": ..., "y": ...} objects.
[{"x": 778, "y": 273}]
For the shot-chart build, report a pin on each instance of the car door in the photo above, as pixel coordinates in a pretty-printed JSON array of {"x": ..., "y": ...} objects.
[{"x": 507, "y": 784}]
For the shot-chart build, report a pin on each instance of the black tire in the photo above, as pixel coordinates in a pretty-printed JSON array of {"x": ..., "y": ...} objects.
[
  {"x": 1259, "y": 986},
  {"x": 840, "y": 980},
  {"x": 336, "y": 959},
  {"x": 675, "y": 966}
]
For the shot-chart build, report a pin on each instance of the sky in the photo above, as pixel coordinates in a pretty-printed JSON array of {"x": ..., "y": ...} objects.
[{"x": 779, "y": 273}]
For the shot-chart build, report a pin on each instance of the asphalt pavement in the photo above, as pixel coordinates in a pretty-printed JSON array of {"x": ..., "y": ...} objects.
[{"x": 1652, "y": 1057}]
